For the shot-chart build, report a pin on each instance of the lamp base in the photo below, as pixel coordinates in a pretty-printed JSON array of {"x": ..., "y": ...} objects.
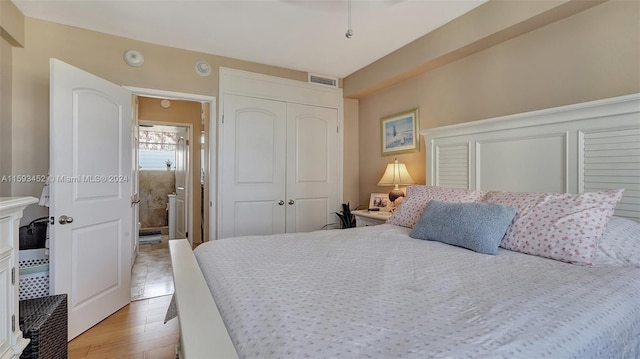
[{"x": 395, "y": 194}]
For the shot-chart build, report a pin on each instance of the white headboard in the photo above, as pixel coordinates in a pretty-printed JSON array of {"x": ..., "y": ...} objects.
[{"x": 577, "y": 148}]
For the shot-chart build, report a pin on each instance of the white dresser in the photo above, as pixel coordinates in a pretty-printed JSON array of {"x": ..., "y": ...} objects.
[{"x": 11, "y": 341}]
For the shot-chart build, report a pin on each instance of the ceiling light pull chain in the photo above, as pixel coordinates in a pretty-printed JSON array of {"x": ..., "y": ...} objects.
[{"x": 349, "y": 32}]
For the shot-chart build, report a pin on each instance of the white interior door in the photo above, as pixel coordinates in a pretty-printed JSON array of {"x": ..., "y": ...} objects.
[
  {"x": 312, "y": 167},
  {"x": 90, "y": 159},
  {"x": 182, "y": 183},
  {"x": 252, "y": 167}
]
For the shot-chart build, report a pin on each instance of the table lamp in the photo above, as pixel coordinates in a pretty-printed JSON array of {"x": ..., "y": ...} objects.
[{"x": 396, "y": 175}]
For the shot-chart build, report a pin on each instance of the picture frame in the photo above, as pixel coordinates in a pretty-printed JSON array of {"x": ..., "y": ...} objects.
[
  {"x": 400, "y": 133},
  {"x": 380, "y": 201}
]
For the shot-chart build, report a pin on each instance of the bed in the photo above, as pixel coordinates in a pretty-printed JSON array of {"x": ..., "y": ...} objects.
[{"x": 384, "y": 292}]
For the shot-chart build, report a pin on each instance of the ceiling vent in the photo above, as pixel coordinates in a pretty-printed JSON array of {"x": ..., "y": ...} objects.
[{"x": 323, "y": 80}]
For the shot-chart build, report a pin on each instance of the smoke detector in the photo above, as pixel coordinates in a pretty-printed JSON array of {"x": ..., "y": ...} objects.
[
  {"x": 203, "y": 68},
  {"x": 133, "y": 58}
]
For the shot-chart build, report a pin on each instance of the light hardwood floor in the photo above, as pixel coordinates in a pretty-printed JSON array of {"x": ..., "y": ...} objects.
[
  {"x": 134, "y": 332},
  {"x": 137, "y": 330}
]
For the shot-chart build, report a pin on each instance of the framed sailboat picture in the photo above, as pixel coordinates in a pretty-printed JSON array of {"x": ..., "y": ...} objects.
[{"x": 400, "y": 133}]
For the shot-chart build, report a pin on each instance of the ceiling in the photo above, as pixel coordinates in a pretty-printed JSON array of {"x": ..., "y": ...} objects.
[{"x": 304, "y": 35}]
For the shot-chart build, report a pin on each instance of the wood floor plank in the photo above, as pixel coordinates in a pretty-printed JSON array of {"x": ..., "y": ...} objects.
[{"x": 136, "y": 331}]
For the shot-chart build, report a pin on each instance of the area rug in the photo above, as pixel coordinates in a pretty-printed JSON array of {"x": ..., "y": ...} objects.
[{"x": 150, "y": 238}]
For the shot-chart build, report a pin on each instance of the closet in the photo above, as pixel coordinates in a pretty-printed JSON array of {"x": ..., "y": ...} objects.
[{"x": 279, "y": 156}]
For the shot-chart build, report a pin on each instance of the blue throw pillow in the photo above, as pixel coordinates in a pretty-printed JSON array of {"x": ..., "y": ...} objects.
[{"x": 476, "y": 226}]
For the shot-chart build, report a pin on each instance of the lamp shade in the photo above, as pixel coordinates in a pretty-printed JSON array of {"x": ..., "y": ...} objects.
[{"x": 396, "y": 174}]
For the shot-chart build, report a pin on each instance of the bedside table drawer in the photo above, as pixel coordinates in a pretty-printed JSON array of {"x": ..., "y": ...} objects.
[
  {"x": 365, "y": 218},
  {"x": 364, "y": 222}
]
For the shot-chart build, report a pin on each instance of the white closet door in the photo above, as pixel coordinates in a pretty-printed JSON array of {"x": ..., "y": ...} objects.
[
  {"x": 253, "y": 161},
  {"x": 312, "y": 167}
]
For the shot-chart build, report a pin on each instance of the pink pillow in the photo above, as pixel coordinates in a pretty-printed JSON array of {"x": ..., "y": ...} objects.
[
  {"x": 561, "y": 226},
  {"x": 412, "y": 206}
]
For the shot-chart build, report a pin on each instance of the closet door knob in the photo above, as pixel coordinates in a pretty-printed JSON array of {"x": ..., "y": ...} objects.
[
  {"x": 281, "y": 203},
  {"x": 291, "y": 202}
]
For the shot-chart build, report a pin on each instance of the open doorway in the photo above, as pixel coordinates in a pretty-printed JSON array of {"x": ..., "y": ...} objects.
[
  {"x": 165, "y": 108},
  {"x": 163, "y": 187},
  {"x": 163, "y": 181}
]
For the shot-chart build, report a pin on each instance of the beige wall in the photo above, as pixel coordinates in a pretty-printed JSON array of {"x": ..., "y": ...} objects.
[
  {"x": 487, "y": 25},
  {"x": 5, "y": 117},
  {"x": 591, "y": 55},
  {"x": 351, "y": 183},
  {"x": 11, "y": 23},
  {"x": 11, "y": 34}
]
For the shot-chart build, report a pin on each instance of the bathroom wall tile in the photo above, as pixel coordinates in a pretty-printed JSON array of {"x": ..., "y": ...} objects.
[{"x": 155, "y": 186}]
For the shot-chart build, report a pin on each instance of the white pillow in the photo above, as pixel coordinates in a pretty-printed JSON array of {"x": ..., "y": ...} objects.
[{"x": 620, "y": 244}]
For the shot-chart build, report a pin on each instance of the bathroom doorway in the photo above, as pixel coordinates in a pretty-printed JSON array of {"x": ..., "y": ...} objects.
[
  {"x": 165, "y": 108},
  {"x": 163, "y": 184},
  {"x": 163, "y": 181}
]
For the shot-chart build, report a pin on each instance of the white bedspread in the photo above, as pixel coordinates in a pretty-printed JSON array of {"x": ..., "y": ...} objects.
[{"x": 374, "y": 292}]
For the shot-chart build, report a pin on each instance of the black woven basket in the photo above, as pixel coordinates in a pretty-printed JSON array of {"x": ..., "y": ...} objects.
[
  {"x": 34, "y": 234},
  {"x": 44, "y": 321}
]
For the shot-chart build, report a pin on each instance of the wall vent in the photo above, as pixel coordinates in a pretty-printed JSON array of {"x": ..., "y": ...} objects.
[{"x": 323, "y": 80}]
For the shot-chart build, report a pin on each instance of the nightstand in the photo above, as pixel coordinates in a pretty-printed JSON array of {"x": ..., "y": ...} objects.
[{"x": 366, "y": 218}]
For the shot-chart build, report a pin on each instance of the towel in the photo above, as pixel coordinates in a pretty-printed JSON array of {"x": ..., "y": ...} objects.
[
  {"x": 46, "y": 242},
  {"x": 44, "y": 197}
]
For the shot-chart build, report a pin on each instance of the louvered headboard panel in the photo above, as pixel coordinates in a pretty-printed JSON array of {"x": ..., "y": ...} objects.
[
  {"x": 583, "y": 147},
  {"x": 611, "y": 159},
  {"x": 453, "y": 168}
]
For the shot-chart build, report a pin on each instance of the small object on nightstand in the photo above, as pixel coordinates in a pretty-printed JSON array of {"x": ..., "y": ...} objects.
[
  {"x": 374, "y": 209},
  {"x": 366, "y": 218}
]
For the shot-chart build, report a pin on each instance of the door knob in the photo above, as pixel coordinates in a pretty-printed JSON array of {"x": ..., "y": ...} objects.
[
  {"x": 281, "y": 203},
  {"x": 291, "y": 202},
  {"x": 65, "y": 219}
]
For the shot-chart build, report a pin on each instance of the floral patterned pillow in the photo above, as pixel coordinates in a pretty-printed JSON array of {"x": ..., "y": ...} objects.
[
  {"x": 561, "y": 226},
  {"x": 417, "y": 198}
]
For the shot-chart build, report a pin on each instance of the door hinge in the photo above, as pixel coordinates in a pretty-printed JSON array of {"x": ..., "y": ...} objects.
[
  {"x": 222, "y": 118},
  {"x": 187, "y": 142},
  {"x": 13, "y": 276},
  {"x": 135, "y": 199},
  {"x": 13, "y": 323}
]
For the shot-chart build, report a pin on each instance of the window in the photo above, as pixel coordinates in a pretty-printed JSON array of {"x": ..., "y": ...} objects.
[{"x": 157, "y": 149}]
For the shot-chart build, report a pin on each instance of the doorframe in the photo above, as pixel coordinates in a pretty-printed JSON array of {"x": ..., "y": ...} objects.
[{"x": 210, "y": 130}]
